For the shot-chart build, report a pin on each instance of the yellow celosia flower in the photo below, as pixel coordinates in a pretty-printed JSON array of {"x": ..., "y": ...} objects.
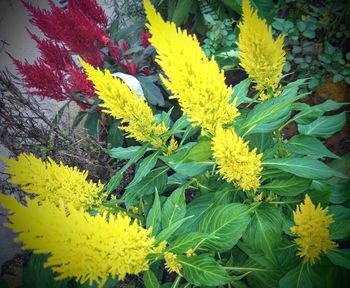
[
  {"x": 196, "y": 81},
  {"x": 89, "y": 248},
  {"x": 236, "y": 163},
  {"x": 190, "y": 252},
  {"x": 51, "y": 181},
  {"x": 172, "y": 146},
  {"x": 123, "y": 103},
  {"x": 258, "y": 197},
  {"x": 171, "y": 264},
  {"x": 312, "y": 227},
  {"x": 260, "y": 55},
  {"x": 160, "y": 248}
]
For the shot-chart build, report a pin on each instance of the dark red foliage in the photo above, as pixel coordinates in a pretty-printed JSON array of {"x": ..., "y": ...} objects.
[
  {"x": 132, "y": 68},
  {"x": 146, "y": 71},
  {"x": 145, "y": 35}
]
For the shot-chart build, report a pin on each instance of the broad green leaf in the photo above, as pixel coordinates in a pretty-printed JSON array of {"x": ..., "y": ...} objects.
[
  {"x": 300, "y": 277},
  {"x": 150, "y": 280},
  {"x": 324, "y": 126},
  {"x": 123, "y": 153},
  {"x": 340, "y": 257},
  {"x": 154, "y": 215},
  {"x": 181, "y": 11},
  {"x": 35, "y": 275},
  {"x": 265, "y": 114},
  {"x": 146, "y": 165},
  {"x": 309, "y": 146},
  {"x": 92, "y": 124},
  {"x": 203, "y": 270},
  {"x": 174, "y": 207},
  {"x": 264, "y": 230},
  {"x": 115, "y": 180},
  {"x": 180, "y": 124},
  {"x": 115, "y": 136},
  {"x": 227, "y": 223},
  {"x": 304, "y": 167},
  {"x": 260, "y": 141},
  {"x": 192, "y": 159},
  {"x": 156, "y": 179},
  {"x": 340, "y": 228},
  {"x": 187, "y": 241},
  {"x": 197, "y": 208},
  {"x": 127, "y": 31},
  {"x": 240, "y": 92},
  {"x": 151, "y": 91},
  {"x": 291, "y": 186},
  {"x": 166, "y": 233},
  {"x": 340, "y": 193}
]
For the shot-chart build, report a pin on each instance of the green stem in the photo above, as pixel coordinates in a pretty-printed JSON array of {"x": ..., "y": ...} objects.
[{"x": 176, "y": 282}]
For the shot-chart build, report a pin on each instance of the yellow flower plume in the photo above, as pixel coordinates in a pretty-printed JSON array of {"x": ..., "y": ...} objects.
[
  {"x": 235, "y": 161},
  {"x": 171, "y": 263},
  {"x": 197, "y": 82},
  {"x": 260, "y": 55},
  {"x": 123, "y": 103},
  {"x": 312, "y": 227},
  {"x": 88, "y": 248},
  {"x": 51, "y": 181}
]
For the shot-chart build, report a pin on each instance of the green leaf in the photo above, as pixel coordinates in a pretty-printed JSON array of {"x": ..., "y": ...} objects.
[
  {"x": 166, "y": 233},
  {"x": 187, "y": 241},
  {"x": 304, "y": 167},
  {"x": 301, "y": 26},
  {"x": 181, "y": 11},
  {"x": 117, "y": 177},
  {"x": 191, "y": 160},
  {"x": 240, "y": 92},
  {"x": 264, "y": 230},
  {"x": 122, "y": 33},
  {"x": 174, "y": 207},
  {"x": 180, "y": 124},
  {"x": 123, "y": 153},
  {"x": 150, "y": 280},
  {"x": 309, "y": 146},
  {"x": 340, "y": 193},
  {"x": 80, "y": 116},
  {"x": 227, "y": 223},
  {"x": 203, "y": 270},
  {"x": 324, "y": 126},
  {"x": 155, "y": 180},
  {"x": 151, "y": 91},
  {"x": 260, "y": 141},
  {"x": 35, "y": 275},
  {"x": 291, "y": 186},
  {"x": 154, "y": 215},
  {"x": 340, "y": 257},
  {"x": 263, "y": 117},
  {"x": 146, "y": 165},
  {"x": 115, "y": 136},
  {"x": 340, "y": 229},
  {"x": 337, "y": 78},
  {"x": 309, "y": 34},
  {"x": 299, "y": 277},
  {"x": 92, "y": 124}
]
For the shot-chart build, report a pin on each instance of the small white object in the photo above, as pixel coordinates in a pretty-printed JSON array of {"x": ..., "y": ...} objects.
[{"x": 131, "y": 81}]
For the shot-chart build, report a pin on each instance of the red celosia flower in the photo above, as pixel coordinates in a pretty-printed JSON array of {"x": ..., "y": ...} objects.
[
  {"x": 145, "y": 35},
  {"x": 54, "y": 55},
  {"x": 42, "y": 80},
  {"x": 82, "y": 33},
  {"x": 80, "y": 83},
  {"x": 91, "y": 9}
]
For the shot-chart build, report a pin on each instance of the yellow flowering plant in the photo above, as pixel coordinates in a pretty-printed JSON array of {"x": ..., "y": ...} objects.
[{"x": 220, "y": 196}]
